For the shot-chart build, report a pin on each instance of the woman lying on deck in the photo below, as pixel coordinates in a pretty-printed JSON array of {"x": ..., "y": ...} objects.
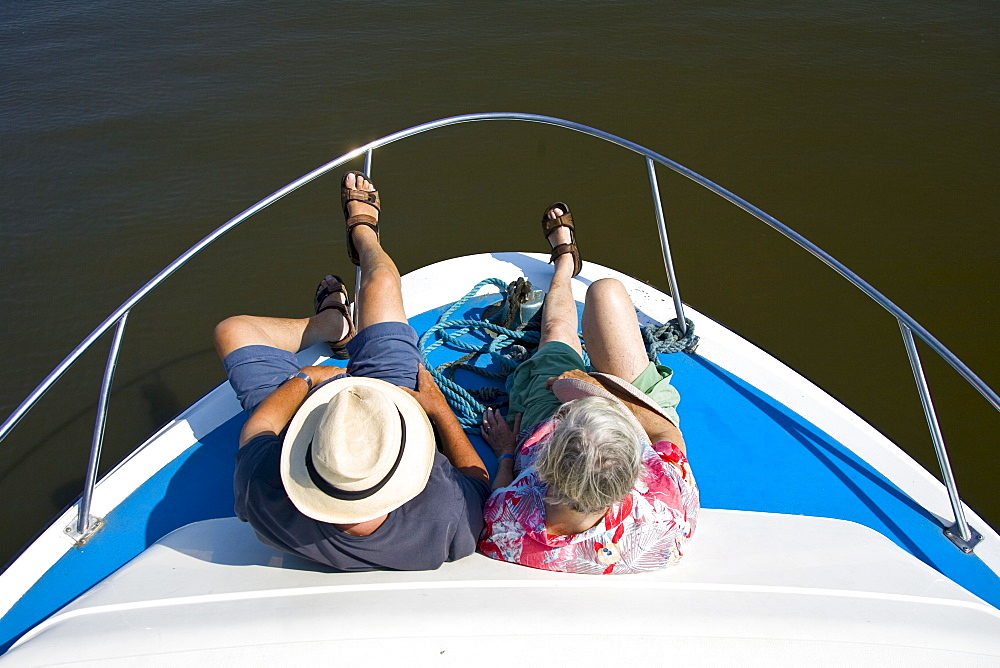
[{"x": 599, "y": 482}]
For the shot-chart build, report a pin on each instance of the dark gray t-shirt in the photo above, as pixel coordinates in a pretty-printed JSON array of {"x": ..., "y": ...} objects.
[{"x": 440, "y": 524}]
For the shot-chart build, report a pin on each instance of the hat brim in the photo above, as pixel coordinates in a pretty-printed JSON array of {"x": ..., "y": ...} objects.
[
  {"x": 410, "y": 476},
  {"x": 612, "y": 387},
  {"x": 620, "y": 387}
]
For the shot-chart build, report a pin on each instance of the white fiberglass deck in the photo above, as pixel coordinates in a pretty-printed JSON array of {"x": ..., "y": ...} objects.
[{"x": 754, "y": 589}]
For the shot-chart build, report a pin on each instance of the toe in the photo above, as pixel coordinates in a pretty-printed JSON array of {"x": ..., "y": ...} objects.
[
  {"x": 358, "y": 182},
  {"x": 331, "y": 285},
  {"x": 560, "y": 234}
]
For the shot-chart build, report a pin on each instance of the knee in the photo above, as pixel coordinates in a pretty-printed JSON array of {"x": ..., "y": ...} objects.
[
  {"x": 227, "y": 327},
  {"x": 230, "y": 332},
  {"x": 607, "y": 290}
]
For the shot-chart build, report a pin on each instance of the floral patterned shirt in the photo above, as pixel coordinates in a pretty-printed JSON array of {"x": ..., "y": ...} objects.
[{"x": 642, "y": 532}]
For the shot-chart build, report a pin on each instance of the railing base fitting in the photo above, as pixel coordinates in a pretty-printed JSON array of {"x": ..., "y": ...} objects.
[
  {"x": 955, "y": 536},
  {"x": 94, "y": 524}
]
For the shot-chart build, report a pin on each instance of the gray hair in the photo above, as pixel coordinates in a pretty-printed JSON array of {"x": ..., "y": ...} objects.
[{"x": 593, "y": 457}]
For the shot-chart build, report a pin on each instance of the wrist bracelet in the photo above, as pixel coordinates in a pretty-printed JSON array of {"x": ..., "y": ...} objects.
[
  {"x": 504, "y": 456},
  {"x": 304, "y": 376}
]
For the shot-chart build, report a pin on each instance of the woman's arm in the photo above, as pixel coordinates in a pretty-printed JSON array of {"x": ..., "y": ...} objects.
[
  {"x": 503, "y": 441},
  {"x": 657, "y": 427}
]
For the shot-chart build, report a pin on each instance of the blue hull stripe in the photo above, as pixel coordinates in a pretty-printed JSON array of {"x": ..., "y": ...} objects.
[{"x": 198, "y": 485}]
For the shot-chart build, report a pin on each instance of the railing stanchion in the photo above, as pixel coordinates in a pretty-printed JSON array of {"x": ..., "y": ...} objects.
[
  {"x": 961, "y": 530},
  {"x": 668, "y": 261},
  {"x": 357, "y": 270},
  {"x": 83, "y": 522}
]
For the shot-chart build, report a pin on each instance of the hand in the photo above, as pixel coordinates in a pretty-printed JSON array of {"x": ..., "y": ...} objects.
[
  {"x": 573, "y": 373},
  {"x": 501, "y": 439},
  {"x": 428, "y": 394}
]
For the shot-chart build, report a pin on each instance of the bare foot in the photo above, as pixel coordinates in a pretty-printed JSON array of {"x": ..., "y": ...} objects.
[
  {"x": 560, "y": 235},
  {"x": 335, "y": 324},
  {"x": 356, "y": 182}
]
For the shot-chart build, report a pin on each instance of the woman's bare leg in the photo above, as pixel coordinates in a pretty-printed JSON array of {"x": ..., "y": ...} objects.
[
  {"x": 611, "y": 331},
  {"x": 615, "y": 346},
  {"x": 559, "y": 318}
]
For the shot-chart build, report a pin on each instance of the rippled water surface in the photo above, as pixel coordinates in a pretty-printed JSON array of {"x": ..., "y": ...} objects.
[{"x": 131, "y": 130}]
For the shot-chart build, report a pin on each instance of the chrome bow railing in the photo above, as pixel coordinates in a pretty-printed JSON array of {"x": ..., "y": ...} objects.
[{"x": 960, "y": 533}]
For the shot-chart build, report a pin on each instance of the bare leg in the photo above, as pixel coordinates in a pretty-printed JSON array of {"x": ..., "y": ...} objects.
[
  {"x": 559, "y": 319},
  {"x": 381, "y": 297},
  {"x": 381, "y": 300},
  {"x": 615, "y": 346},
  {"x": 611, "y": 330},
  {"x": 291, "y": 334}
]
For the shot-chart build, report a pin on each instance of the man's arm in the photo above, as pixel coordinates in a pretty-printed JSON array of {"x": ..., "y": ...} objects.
[
  {"x": 455, "y": 444},
  {"x": 276, "y": 411}
]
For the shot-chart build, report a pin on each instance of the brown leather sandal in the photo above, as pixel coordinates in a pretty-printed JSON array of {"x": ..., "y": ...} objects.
[
  {"x": 354, "y": 195},
  {"x": 323, "y": 293},
  {"x": 565, "y": 220}
]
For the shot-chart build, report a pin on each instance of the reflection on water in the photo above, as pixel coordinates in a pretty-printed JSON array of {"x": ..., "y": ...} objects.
[
  {"x": 162, "y": 403},
  {"x": 130, "y": 131}
]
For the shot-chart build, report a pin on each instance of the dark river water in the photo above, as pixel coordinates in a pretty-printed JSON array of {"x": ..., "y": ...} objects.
[{"x": 128, "y": 131}]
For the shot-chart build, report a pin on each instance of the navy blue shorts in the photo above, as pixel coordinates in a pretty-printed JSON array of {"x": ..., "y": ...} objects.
[{"x": 385, "y": 350}]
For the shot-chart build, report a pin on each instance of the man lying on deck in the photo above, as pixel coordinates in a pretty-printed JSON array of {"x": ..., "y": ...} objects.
[
  {"x": 602, "y": 479},
  {"x": 344, "y": 468}
]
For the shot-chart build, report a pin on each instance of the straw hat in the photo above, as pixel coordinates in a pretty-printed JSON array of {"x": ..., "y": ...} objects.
[
  {"x": 612, "y": 387},
  {"x": 356, "y": 449}
]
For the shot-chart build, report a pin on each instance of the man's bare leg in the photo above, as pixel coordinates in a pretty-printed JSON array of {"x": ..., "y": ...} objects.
[
  {"x": 381, "y": 300},
  {"x": 380, "y": 295},
  {"x": 291, "y": 334},
  {"x": 559, "y": 317}
]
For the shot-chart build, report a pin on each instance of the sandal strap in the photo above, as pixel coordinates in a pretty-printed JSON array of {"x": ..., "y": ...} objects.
[
  {"x": 352, "y": 222},
  {"x": 570, "y": 248},
  {"x": 345, "y": 311},
  {"x": 562, "y": 249},
  {"x": 353, "y": 195},
  {"x": 362, "y": 219},
  {"x": 324, "y": 293},
  {"x": 565, "y": 220}
]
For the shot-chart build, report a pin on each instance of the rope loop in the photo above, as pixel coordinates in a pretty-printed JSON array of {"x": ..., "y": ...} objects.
[{"x": 668, "y": 338}]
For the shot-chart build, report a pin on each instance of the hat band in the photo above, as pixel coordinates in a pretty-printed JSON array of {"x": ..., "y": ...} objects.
[{"x": 346, "y": 495}]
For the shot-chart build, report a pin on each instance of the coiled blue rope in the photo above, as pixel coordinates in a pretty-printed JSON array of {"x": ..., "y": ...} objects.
[
  {"x": 506, "y": 349},
  {"x": 668, "y": 338}
]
